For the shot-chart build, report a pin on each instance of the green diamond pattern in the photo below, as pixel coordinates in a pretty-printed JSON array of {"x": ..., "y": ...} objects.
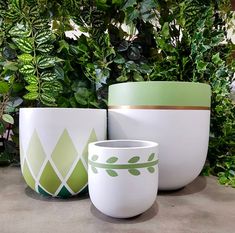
[
  {"x": 78, "y": 178},
  {"x": 64, "y": 153},
  {"x": 63, "y": 157},
  {"x": 28, "y": 176},
  {"x": 64, "y": 193},
  {"x": 92, "y": 138},
  {"x": 43, "y": 192},
  {"x": 35, "y": 153},
  {"x": 49, "y": 179}
]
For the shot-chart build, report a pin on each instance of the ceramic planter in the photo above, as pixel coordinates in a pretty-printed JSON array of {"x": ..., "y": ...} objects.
[
  {"x": 174, "y": 114},
  {"x": 123, "y": 176},
  {"x": 54, "y": 147}
]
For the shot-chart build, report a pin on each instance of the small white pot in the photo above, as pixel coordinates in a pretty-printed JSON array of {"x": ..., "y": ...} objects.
[
  {"x": 123, "y": 176},
  {"x": 54, "y": 147},
  {"x": 174, "y": 114}
]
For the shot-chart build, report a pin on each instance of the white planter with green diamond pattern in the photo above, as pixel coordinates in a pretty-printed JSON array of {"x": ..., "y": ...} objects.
[
  {"x": 123, "y": 176},
  {"x": 54, "y": 147}
]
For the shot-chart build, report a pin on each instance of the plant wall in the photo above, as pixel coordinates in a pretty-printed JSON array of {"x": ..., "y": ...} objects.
[{"x": 65, "y": 53}]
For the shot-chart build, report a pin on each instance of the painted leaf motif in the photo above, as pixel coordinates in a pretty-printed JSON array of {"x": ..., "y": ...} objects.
[
  {"x": 134, "y": 172},
  {"x": 112, "y": 160},
  {"x": 151, "y": 157},
  {"x": 112, "y": 173},
  {"x": 134, "y": 159},
  {"x": 94, "y": 169},
  {"x": 151, "y": 169},
  {"x": 94, "y": 157}
]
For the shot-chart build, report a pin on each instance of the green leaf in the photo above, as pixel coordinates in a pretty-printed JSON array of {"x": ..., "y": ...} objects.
[
  {"x": 24, "y": 44},
  {"x": 201, "y": 65},
  {"x": 94, "y": 169},
  {"x": 134, "y": 159},
  {"x": 112, "y": 173},
  {"x": 13, "y": 66},
  {"x": 4, "y": 87},
  {"x": 43, "y": 36},
  {"x": 20, "y": 30},
  {"x": 129, "y": 3},
  {"x": 134, "y": 172},
  {"x": 27, "y": 69},
  {"x": 216, "y": 59},
  {"x": 52, "y": 87},
  {"x": 32, "y": 88},
  {"x": 119, "y": 59},
  {"x": 31, "y": 79},
  {"x": 151, "y": 169},
  {"x": 25, "y": 58},
  {"x": 48, "y": 76},
  {"x": 94, "y": 157},
  {"x": 31, "y": 96},
  {"x": 112, "y": 160},
  {"x": 19, "y": 4},
  {"x": 122, "y": 78},
  {"x": 151, "y": 157},
  {"x": 39, "y": 23},
  {"x": 137, "y": 77},
  {"x": 165, "y": 30},
  {"x": 46, "y": 62},
  {"x": 47, "y": 99},
  {"x": 8, "y": 118},
  {"x": 45, "y": 48}
]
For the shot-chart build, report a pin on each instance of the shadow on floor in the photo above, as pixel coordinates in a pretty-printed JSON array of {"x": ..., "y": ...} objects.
[
  {"x": 196, "y": 186},
  {"x": 149, "y": 214},
  {"x": 32, "y": 194}
]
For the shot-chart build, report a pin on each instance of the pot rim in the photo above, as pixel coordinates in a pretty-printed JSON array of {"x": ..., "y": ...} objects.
[
  {"x": 160, "y": 93},
  {"x": 62, "y": 109},
  {"x": 147, "y": 144}
]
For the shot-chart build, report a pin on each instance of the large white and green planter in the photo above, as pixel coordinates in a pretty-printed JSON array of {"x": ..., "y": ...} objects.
[
  {"x": 54, "y": 147},
  {"x": 174, "y": 114}
]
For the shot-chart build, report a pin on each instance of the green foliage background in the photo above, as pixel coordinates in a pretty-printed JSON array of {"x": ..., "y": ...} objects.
[{"x": 119, "y": 41}]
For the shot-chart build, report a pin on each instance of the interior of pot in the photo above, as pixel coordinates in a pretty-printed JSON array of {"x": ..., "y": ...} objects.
[{"x": 125, "y": 144}]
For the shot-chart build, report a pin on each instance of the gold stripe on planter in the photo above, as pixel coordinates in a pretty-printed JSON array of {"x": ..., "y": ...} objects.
[{"x": 160, "y": 107}]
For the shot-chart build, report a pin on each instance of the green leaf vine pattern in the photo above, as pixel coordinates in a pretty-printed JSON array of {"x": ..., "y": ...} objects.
[{"x": 132, "y": 166}]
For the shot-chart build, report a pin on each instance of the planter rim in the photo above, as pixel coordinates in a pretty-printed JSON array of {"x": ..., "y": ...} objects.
[
  {"x": 154, "y": 94},
  {"x": 63, "y": 109},
  {"x": 147, "y": 144}
]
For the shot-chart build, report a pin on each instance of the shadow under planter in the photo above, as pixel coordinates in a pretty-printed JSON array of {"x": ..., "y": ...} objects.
[{"x": 54, "y": 148}]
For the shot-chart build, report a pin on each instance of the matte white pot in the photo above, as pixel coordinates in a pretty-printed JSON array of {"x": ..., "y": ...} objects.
[
  {"x": 123, "y": 176},
  {"x": 54, "y": 147},
  {"x": 176, "y": 115}
]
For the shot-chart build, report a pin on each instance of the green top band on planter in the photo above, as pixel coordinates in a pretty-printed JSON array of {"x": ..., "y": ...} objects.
[{"x": 160, "y": 93}]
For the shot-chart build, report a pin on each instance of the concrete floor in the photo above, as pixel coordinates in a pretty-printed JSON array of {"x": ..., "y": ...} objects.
[{"x": 201, "y": 207}]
